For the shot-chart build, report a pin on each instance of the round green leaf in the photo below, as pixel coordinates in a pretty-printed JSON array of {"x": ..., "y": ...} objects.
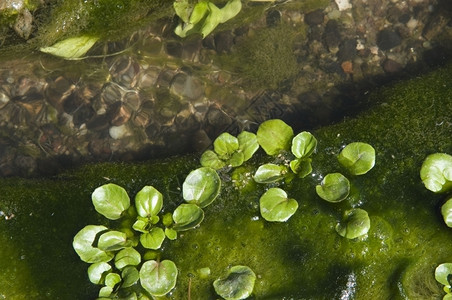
[
  {"x": 106, "y": 292},
  {"x": 303, "y": 144},
  {"x": 334, "y": 187},
  {"x": 274, "y": 136},
  {"x": 443, "y": 273},
  {"x": 201, "y": 186},
  {"x": 211, "y": 159},
  {"x": 127, "y": 257},
  {"x": 158, "y": 278},
  {"x": 187, "y": 216},
  {"x": 153, "y": 239},
  {"x": 355, "y": 223},
  {"x": 171, "y": 233},
  {"x": 276, "y": 207},
  {"x": 225, "y": 145},
  {"x": 238, "y": 284},
  {"x": 358, "y": 158},
  {"x": 141, "y": 224},
  {"x": 236, "y": 160},
  {"x": 110, "y": 200},
  {"x": 148, "y": 201},
  {"x": 83, "y": 245},
  {"x": 113, "y": 241},
  {"x": 248, "y": 144},
  {"x": 112, "y": 279},
  {"x": 436, "y": 172},
  {"x": 301, "y": 167},
  {"x": 446, "y": 211},
  {"x": 130, "y": 276},
  {"x": 270, "y": 173},
  {"x": 98, "y": 271}
]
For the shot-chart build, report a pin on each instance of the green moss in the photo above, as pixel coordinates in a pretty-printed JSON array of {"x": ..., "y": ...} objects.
[
  {"x": 307, "y": 5},
  {"x": 266, "y": 59},
  {"x": 303, "y": 258}
]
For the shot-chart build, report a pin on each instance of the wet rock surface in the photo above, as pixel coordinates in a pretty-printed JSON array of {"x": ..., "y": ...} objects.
[{"x": 167, "y": 95}]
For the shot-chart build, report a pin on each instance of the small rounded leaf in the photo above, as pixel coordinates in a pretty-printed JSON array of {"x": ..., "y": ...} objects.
[
  {"x": 112, "y": 279},
  {"x": 225, "y": 145},
  {"x": 358, "y": 158},
  {"x": 110, "y": 200},
  {"x": 274, "y": 136},
  {"x": 236, "y": 159},
  {"x": 238, "y": 284},
  {"x": 303, "y": 144},
  {"x": 301, "y": 167},
  {"x": 334, "y": 187},
  {"x": 248, "y": 144},
  {"x": 436, "y": 172},
  {"x": 443, "y": 273},
  {"x": 130, "y": 276},
  {"x": 153, "y": 239},
  {"x": 171, "y": 233},
  {"x": 98, "y": 271},
  {"x": 276, "y": 207},
  {"x": 446, "y": 211},
  {"x": 83, "y": 245},
  {"x": 148, "y": 201},
  {"x": 201, "y": 186},
  {"x": 355, "y": 223},
  {"x": 187, "y": 216},
  {"x": 211, "y": 159},
  {"x": 113, "y": 241},
  {"x": 268, "y": 173},
  {"x": 127, "y": 257},
  {"x": 158, "y": 278}
]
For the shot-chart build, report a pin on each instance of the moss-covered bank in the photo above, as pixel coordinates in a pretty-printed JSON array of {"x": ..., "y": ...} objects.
[{"x": 303, "y": 258}]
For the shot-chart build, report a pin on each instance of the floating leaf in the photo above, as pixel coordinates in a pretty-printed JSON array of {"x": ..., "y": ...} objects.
[
  {"x": 98, "y": 271},
  {"x": 127, "y": 257},
  {"x": 230, "y": 10},
  {"x": 303, "y": 144},
  {"x": 113, "y": 241},
  {"x": 187, "y": 216},
  {"x": 73, "y": 47},
  {"x": 446, "y": 211},
  {"x": 158, "y": 278},
  {"x": 358, "y": 158},
  {"x": 153, "y": 239},
  {"x": 248, "y": 144},
  {"x": 225, "y": 145},
  {"x": 110, "y": 200},
  {"x": 148, "y": 201},
  {"x": 211, "y": 159},
  {"x": 199, "y": 11},
  {"x": 130, "y": 276},
  {"x": 83, "y": 245},
  {"x": 443, "y": 273},
  {"x": 105, "y": 292},
  {"x": 238, "y": 284},
  {"x": 274, "y": 136},
  {"x": 236, "y": 159},
  {"x": 268, "y": 173},
  {"x": 182, "y": 9},
  {"x": 436, "y": 172},
  {"x": 201, "y": 186},
  {"x": 334, "y": 187},
  {"x": 302, "y": 167},
  {"x": 171, "y": 233},
  {"x": 112, "y": 279},
  {"x": 355, "y": 223},
  {"x": 276, "y": 207},
  {"x": 141, "y": 225}
]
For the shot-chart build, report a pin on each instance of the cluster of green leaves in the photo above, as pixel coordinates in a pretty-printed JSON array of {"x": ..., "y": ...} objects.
[
  {"x": 357, "y": 158},
  {"x": 436, "y": 174},
  {"x": 115, "y": 254},
  {"x": 204, "y": 16}
]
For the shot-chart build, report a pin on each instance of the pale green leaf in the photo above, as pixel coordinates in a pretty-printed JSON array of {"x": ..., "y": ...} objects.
[
  {"x": 358, "y": 158},
  {"x": 71, "y": 48},
  {"x": 275, "y": 206},
  {"x": 201, "y": 186},
  {"x": 148, "y": 201},
  {"x": 158, "y": 278},
  {"x": 153, "y": 239},
  {"x": 355, "y": 223},
  {"x": 110, "y": 200},
  {"x": 83, "y": 245},
  {"x": 238, "y": 284},
  {"x": 274, "y": 136}
]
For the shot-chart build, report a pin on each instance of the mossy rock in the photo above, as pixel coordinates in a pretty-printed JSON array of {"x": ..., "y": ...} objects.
[{"x": 303, "y": 258}]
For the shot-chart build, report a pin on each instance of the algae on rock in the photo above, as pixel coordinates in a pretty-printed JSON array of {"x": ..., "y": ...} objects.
[{"x": 301, "y": 258}]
